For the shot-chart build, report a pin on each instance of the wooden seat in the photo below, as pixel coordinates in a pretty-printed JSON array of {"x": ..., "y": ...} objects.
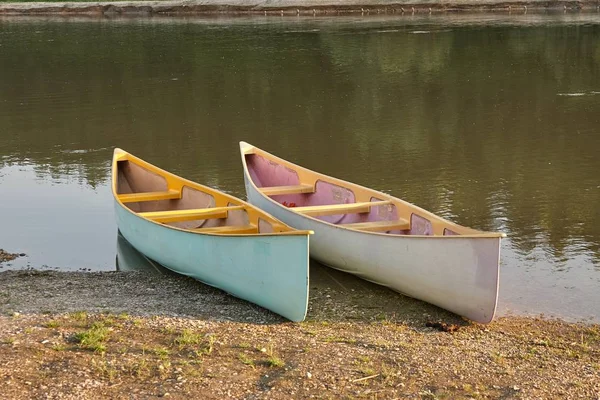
[
  {"x": 189, "y": 215},
  {"x": 294, "y": 189},
  {"x": 150, "y": 196},
  {"x": 379, "y": 226},
  {"x": 334, "y": 209},
  {"x": 229, "y": 229}
]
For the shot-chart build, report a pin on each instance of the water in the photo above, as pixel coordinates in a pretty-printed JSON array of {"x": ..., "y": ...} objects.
[{"x": 490, "y": 120}]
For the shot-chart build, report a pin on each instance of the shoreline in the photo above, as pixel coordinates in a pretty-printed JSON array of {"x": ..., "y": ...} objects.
[
  {"x": 76, "y": 335},
  {"x": 290, "y": 7}
]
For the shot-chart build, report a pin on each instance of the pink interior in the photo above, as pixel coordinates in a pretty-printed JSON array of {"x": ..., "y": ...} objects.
[
  {"x": 266, "y": 173},
  {"x": 133, "y": 178}
]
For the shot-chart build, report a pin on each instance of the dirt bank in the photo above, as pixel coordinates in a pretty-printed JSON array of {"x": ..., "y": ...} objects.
[
  {"x": 134, "y": 335},
  {"x": 288, "y": 7}
]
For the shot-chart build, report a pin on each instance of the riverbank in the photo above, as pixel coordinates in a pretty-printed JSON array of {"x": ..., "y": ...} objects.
[
  {"x": 288, "y": 7},
  {"x": 108, "y": 335}
]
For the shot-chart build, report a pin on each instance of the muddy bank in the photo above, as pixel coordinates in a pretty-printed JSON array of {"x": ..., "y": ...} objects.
[
  {"x": 288, "y": 7},
  {"x": 135, "y": 335}
]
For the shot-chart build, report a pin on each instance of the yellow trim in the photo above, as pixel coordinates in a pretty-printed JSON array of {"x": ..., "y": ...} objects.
[
  {"x": 229, "y": 229},
  {"x": 363, "y": 194},
  {"x": 150, "y": 196},
  {"x": 176, "y": 183},
  {"x": 188, "y": 215},
  {"x": 374, "y": 226},
  {"x": 278, "y": 190},
  {"x": 334, "y": 209}
]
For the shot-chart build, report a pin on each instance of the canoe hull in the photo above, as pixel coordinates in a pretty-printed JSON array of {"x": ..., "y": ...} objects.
[
  {"x": 459, "y": 274},
  {"x": 268, "y": 270}
]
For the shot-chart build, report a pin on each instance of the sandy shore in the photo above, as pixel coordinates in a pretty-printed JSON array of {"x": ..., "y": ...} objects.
[
  {"x": 288, "y": 7},
  {"x": 135, "y": 335}
]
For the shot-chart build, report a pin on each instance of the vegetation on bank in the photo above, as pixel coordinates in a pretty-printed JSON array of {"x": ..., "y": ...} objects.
[
  {"x": 109, "y": 335},
  {"x": 108, "y": 355}
]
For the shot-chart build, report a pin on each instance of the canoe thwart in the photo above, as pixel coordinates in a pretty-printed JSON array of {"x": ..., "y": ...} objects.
[
  {"x": 334, "y": 209},
  {"x": 189, "y": 215},
  {"x": 229, "y": 229},
  {"x": 150, "y": 196},
  {"x": 294, "y": 189},
  {"x": 375, "y": 226}
]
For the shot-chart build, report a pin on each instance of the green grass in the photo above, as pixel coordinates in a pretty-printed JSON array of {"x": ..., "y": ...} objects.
[
  {"x": 246, "y": 360},
  {"x": 93, "y": 338},
  {"x": 10, "y": 340},
  {"x": 209, "y": 345},
  {"x": 161, "y": 352},
  {"x": 366, "y": 371},
  {"x": 273, "y": 360},
  {"x": 78, "y": 315},
  {"x": 187, "y": 337},
  {"x": 58, "y": 347},
  {"x": 336, "y": 339},
  {"x": 52, "y": 324}
]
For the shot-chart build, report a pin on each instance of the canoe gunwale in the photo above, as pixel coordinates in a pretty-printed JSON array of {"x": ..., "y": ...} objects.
[
  {"x": 121, "y": 155},
  {"x": 247, "y": 149}
]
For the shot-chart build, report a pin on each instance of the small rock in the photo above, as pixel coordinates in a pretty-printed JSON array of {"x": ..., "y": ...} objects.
[{"x": 308, "y": 375}]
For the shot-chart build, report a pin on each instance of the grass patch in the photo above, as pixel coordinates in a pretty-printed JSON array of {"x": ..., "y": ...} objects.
[
  {"x": 78, "y": 315},
  {"x": 209, "y": 345},
  {"x": 366, "y": 371},
  {"x": 58, "y": 347},
  {"x": 52, "y": 324},
  {"x": 275, "y": 361},
  {"x": 337, "y": 339},
  {"x": 364, "y": 359},
  {"x": 9, "y": 340},
  {"x": 93, "y": 338},
  {"x": 106, "y": 368},
  {"x": 164, "y": 368},
  {"x": 161, "y": 352},
  {"x": 272, "y": 359},
  {"x": 246, "y": 360},
  {"x": 187, "y": 337}
]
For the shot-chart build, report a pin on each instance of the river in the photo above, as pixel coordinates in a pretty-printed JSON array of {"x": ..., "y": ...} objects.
[{"x": 490, "y": 120}]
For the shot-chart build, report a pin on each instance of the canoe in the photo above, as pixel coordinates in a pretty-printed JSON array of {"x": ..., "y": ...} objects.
[
  {"x": 211, "y": 236},
  {"x": 128, "y": 259},
  {"x": 378, "y": 237}
]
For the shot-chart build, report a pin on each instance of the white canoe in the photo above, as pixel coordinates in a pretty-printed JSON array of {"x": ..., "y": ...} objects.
[
  {"x": 378, "y": 237},
  {"x": 211, "y": 236}
]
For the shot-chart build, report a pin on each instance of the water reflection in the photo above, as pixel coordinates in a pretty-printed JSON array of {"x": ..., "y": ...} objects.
[
  {"x": 129, "y": 259},
  {"x": 492, "y": 124}
]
